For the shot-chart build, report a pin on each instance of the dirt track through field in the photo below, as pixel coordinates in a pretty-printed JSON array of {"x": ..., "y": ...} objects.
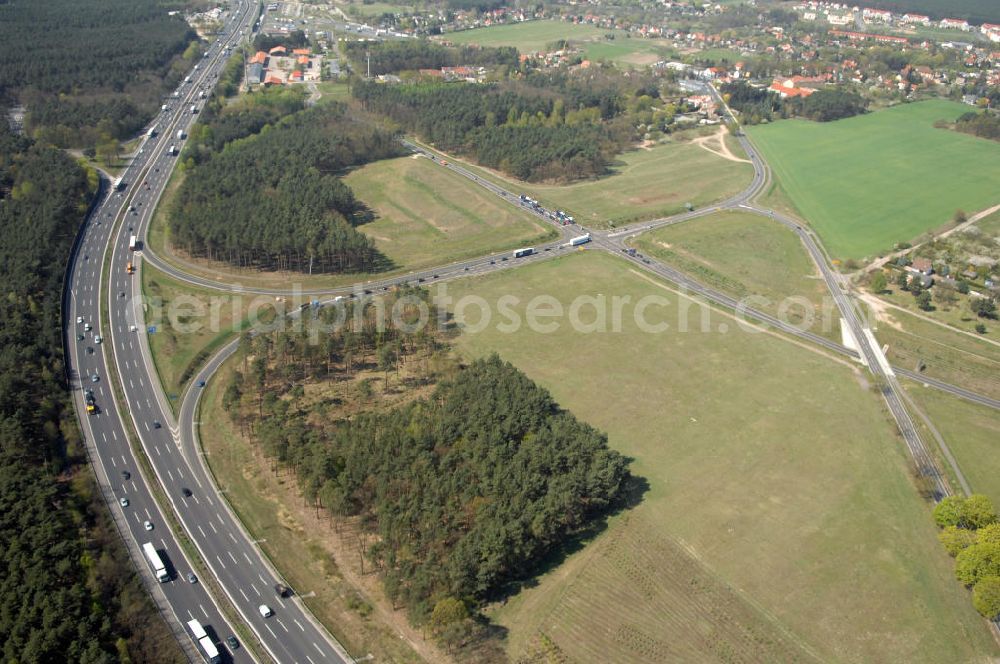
[{"x": 721, "y": 149}]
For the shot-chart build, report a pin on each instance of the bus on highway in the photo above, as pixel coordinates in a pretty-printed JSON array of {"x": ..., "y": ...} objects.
[
  {"x": 153, "y": 558},
  {"x": 204, "y": 643}
]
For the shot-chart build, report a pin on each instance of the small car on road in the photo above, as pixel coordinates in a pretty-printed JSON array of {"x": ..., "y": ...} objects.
[{"x": 123, "y": 501}]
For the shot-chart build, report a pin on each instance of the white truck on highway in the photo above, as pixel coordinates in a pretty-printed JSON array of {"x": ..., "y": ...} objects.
[
  {"x": 172, "y": 150},
  {"x": 152, "y": 132},
  {"x": 153, "y": 558},
  {"x": 521, "y": 253},
  {"x": 204, "y": 642},
  {"x": 577, "y": 241},
  {"x": 180, "y": 135}
]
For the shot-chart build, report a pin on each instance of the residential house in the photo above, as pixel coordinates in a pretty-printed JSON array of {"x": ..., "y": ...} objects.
[
  {"x": 955, "y": 24},
  {"x": 923, "y": 265}
]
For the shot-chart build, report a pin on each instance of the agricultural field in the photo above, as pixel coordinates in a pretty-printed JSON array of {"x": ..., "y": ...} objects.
[
  {"x": 780, "y": 522},
  {"x": 427, "y": 215},
  {"x": 535, "y": 36},
  {"x": 868, "y": 182},
  {"x": 971, "y": 431},
  {"x": 646, "y": 183},
  {"x": 749, "y": 256}
]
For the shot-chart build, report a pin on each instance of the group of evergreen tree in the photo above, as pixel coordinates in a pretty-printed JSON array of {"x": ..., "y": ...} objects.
[
  {"x": 758, "y": 105},
  {"x": 390, "y": 57},
  {"x": 74, "y": 64},
  {"x": 527, "y": 133},
  {"x": 274, "y": 200},
  {"x": 984, "y": 124},
  {"x": 466, "y": 490},
  {"x": 66, "y": 591}
]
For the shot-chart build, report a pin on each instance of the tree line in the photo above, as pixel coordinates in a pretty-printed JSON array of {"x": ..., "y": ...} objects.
[
  {"x": 65, "y": 581},
  {"x": 527, "y": 133},
  {"x": 984, "y": 124},
  {"x": 971, "y": 535},
  {"x": 275, "y": 201},
  {"x": 758, "y": 105},
  {"x": 390, "y": 57},
  {"x": 74, "y": 64},
  {"x": 467, "y": 489}
]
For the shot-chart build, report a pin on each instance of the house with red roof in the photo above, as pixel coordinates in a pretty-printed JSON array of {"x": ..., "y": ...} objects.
[
  {"x": 259, "y": 58},
  {"x": 278, "y": 50}
]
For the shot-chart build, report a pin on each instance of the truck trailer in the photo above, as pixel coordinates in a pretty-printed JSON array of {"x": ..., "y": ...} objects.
[
  {"x": 577, "y": 241},
  {"x": 133, "y": 243}
]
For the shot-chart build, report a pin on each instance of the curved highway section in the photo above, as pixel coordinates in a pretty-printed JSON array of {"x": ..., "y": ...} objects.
[{"x": 291, "y": 634}]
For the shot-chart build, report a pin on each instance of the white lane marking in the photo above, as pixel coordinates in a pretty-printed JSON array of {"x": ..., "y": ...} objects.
[
  {"x": 147, "y": 425},
  {"x": 232, "y": 556},
  {"x": 104, "y": 437},
  {"x": 282, "y": 625},
  {"x": 137, "y": 520},
  {"x": 123, "y": 460},
  {"x": 217, "y": 557},
  {"x": 245, "y": 598},
  {"x": 270, "y": 630},
  {"x": 180, "y": 472},
  {"x": 208, "y": 498},
  {"x": 255, "y": 590},
  {"x": 247, "y": 557},
  {"x": 219, "y": 516},
  {"x": 158, "y": 453},
  {"x": 148, "y": 515},
  {"x": 317, "y": 647},
  {"x": 196, "y": 501},
  {"x": 203, "y": 611},
  {"x": 310, "y": 659},
  {"x": 299, "y": 624},
  {"x": 202, "y": 532},
  {"x": 190, "y": 615},
  {"x": 114, "y": 434},
  {"x": 231, "y": 537},
  {"x": 212, "y": 526},
  {"x": 114, "y": 462},
  {"x": 134, "y": 487},
  {"x": 170, "y": 475}
]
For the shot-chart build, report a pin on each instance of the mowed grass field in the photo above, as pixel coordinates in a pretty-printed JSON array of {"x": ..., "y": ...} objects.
[
  {"x": 751, "y": 257},
  {"x": 644, "y": 184},
  {"x": 971, "y": 431},
  {"x": 868, "y": 182},
  {"x": 780, "y": 521},
  {"x": 428, "y": 215},
  {"x": 536, "y": 36}
]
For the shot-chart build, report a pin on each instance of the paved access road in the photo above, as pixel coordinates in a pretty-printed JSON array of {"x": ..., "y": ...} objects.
[
  {"x": 290, "y": 634},
  {"x": 247, "y": 579}
]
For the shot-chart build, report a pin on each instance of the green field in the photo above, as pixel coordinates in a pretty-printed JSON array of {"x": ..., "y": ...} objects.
[
  {"x": 871, "y": 181},
  {"x": 427, "y": 215},
  {"x": 780, "y": 522},
  {"x": 191, "y": 323},
  {"x": 536, "y": 36},
  {"x": 971, "y": 431},
  {"x": 644, "y": 184},
  {"x": 748, "y": 256}
]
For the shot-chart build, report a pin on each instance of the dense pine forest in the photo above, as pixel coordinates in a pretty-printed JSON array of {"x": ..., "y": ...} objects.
[
  {"x": 90, "y": 70},
  {"x": 530, "y": 134},
  {"x": 391, "y": 57},
  {"x": 66, "y": 587},
  {"x": 274, "y": 200},
  {"x": 469, "y": 479}
]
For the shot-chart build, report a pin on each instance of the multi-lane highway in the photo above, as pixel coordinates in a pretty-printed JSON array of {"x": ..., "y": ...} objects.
[
  {"x": 244, "y": 574},
  {"x": 109, "y": 340}
]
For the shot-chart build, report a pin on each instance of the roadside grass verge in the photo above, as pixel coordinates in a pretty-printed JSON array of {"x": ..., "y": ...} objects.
[
  {"x": 971, "y": 431},
  {"x": 749, "y": 256},
  {"x": 269, "y": 505}
]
